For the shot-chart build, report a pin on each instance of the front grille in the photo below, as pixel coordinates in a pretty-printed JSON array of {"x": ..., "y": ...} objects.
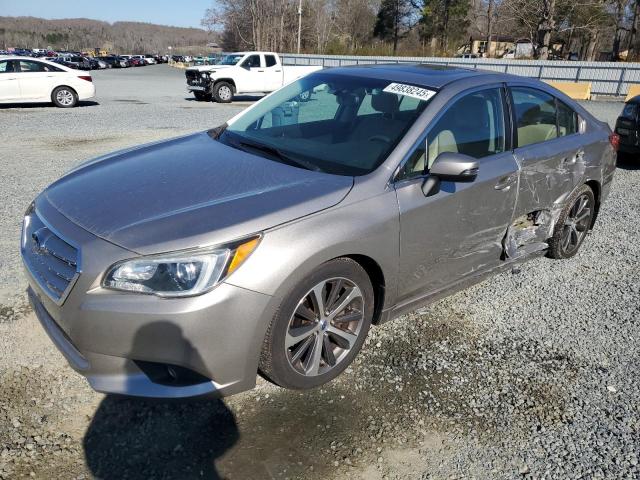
[
  {"x": 195, "y": 79},
  {"x": 52, "y": 261}
]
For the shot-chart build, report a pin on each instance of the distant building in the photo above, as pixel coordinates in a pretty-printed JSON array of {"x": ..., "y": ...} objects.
[
  {"x": 497, "y": 46},
  {"x": 214, "y": 47}
]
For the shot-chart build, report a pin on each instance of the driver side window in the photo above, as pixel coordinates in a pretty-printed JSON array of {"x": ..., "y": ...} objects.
[
  {"x": 252, "y": 61},
  {"x": 473, "y": 126}
]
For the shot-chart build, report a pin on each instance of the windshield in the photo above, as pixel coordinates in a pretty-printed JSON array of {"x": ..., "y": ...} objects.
[
  {"x": 230, "y": 59},
  {"x": 341, "y": 124}
]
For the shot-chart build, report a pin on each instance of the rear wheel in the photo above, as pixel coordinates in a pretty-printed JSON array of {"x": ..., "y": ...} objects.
[
  {"x": 223, "y": 92},
  {"x": 64, "y": 97},
  {"x": 319, "y": 327},
  {"x": 573, "y": 224},
  {"x": 202, "y": 96}
]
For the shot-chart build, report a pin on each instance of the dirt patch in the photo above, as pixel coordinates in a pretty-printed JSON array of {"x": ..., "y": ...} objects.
[{"x": 15, "y": 311}]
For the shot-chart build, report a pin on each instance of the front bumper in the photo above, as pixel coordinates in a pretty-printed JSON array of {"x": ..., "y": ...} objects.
[{"x": 126, "y": 343}]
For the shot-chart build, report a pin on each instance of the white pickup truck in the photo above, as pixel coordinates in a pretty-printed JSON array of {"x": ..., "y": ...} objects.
[{"x": 241, "y": 73}]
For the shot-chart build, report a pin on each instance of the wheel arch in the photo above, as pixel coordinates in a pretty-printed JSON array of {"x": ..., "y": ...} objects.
[
  {"x": 595, "y": 186},
  {"x": 374, "y": 271},
  {"x": 62, "y": 85},
  {"x": 230, "y": 81}
]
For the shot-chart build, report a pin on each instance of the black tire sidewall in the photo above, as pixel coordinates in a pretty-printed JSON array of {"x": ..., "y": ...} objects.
[
  {"x": 55, "y": 93},
  {"x": 216, "y": 90},
  {"x": 278, "y": 369}
]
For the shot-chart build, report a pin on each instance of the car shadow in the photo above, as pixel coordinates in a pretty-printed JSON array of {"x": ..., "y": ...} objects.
[
  {"x": 82, "y": 103},
  {"x": 139, "y": 439},
  {"x": 136, "y": 438},
  {"x": 239, "y": 98},
  {"x": 628, "y": 161}
]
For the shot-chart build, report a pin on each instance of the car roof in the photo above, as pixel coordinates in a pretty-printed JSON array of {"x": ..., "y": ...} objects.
[
  {"x": 635, "y": 99},
  {"x": 423, "y": 74}
]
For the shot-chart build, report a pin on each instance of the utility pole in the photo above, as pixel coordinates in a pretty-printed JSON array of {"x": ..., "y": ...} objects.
[{"x": 299, "y": 23}]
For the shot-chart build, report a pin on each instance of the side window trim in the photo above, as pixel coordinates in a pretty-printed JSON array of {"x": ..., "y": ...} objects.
[
  {"x": 421, "y": 140},
  {"x": 576, "y": 117},
  {"x": 508, "y": 112}
]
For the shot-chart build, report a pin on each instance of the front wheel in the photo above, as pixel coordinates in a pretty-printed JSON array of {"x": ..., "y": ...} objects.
[
  {"x": 202, "y": 96},
  {"x": 223, "y": 92},
  {"x": 573, "y": 224},
  {"x": 64, "y": 97},
  {"x": 320, "y": 326}
]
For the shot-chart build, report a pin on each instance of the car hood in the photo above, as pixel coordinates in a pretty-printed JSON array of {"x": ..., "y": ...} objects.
[
  {"x": 187, "y": 192},
  {"x": 209, "y": 68}
]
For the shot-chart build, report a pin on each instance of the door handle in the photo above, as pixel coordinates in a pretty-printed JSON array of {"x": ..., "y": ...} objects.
[
  {"x": 261, "y": 71},
  {"x": 505, "y": 183},
  {"x": 278, "y": 71}
]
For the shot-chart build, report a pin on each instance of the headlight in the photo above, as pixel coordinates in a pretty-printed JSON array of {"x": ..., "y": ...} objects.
[
  {"x": 204, "y": 75},
  {"x": 178, "y": 274}
]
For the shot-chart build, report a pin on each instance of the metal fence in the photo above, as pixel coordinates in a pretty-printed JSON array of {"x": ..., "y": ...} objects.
[{"x": 607, "y": 78}]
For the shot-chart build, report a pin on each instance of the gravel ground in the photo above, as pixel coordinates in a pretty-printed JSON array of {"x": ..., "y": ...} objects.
[{"x": 527, "y": 375}]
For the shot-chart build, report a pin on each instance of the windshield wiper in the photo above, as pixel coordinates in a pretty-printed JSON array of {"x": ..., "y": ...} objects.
[{"x": 283, "y": 157}]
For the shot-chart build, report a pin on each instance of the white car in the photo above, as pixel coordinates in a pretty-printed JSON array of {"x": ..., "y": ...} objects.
[{"x": 31, "y": 80}]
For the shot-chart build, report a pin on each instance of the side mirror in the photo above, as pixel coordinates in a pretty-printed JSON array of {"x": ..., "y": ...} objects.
[{"x": 450, "y": 167}]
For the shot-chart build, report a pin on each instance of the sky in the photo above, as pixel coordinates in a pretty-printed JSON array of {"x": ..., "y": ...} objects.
[{"x": 180, "y": 13}]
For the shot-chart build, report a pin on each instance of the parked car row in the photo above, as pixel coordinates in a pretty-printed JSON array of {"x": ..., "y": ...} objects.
[{"x": 82, "y": 61}]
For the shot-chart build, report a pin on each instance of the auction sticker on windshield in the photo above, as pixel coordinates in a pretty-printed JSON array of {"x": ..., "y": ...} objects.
[{"x": 409, "y": 91}]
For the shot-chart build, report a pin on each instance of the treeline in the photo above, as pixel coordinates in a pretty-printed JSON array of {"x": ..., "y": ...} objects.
[
  {"x": 586, "y": 28},
  {"x": 82, "y": 33}
]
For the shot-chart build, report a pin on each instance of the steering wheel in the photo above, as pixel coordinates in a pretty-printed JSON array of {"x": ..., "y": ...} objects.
[{"x": 379, "y": 138}]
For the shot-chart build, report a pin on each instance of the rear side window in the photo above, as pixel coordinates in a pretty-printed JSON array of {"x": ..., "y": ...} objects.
[
  {"x": 270, "y": 60},
  {"x": 567, "y": 120},
  {"x": 535, "y": 113},
  {"x": 29, "y": 66}
]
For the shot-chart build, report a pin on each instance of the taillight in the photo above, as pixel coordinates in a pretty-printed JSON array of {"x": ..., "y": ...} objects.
[
  {"x": 86, "y": 77},
  {"x": 614, "y": 140}
]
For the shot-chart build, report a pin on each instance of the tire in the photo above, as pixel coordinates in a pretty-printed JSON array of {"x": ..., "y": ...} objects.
[
  {"x": 573, "y": 224},
  {"x": 202, "y": 96},
  {"x": 223, "y": 92},
  {"x": 64, "y": 97},
  {"x": 293, "y": 366}
]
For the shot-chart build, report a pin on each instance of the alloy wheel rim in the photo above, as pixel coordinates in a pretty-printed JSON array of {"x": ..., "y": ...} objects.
[
  {"x": 225, "y": 93},
  {"x": 325, "y": 326},
  {"x": 576, "y": 225},
  {"x": 65, "y": 97}
]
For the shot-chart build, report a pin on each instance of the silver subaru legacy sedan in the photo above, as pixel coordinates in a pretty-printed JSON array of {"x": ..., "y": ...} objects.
[{"x": 269, "y": 245}]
